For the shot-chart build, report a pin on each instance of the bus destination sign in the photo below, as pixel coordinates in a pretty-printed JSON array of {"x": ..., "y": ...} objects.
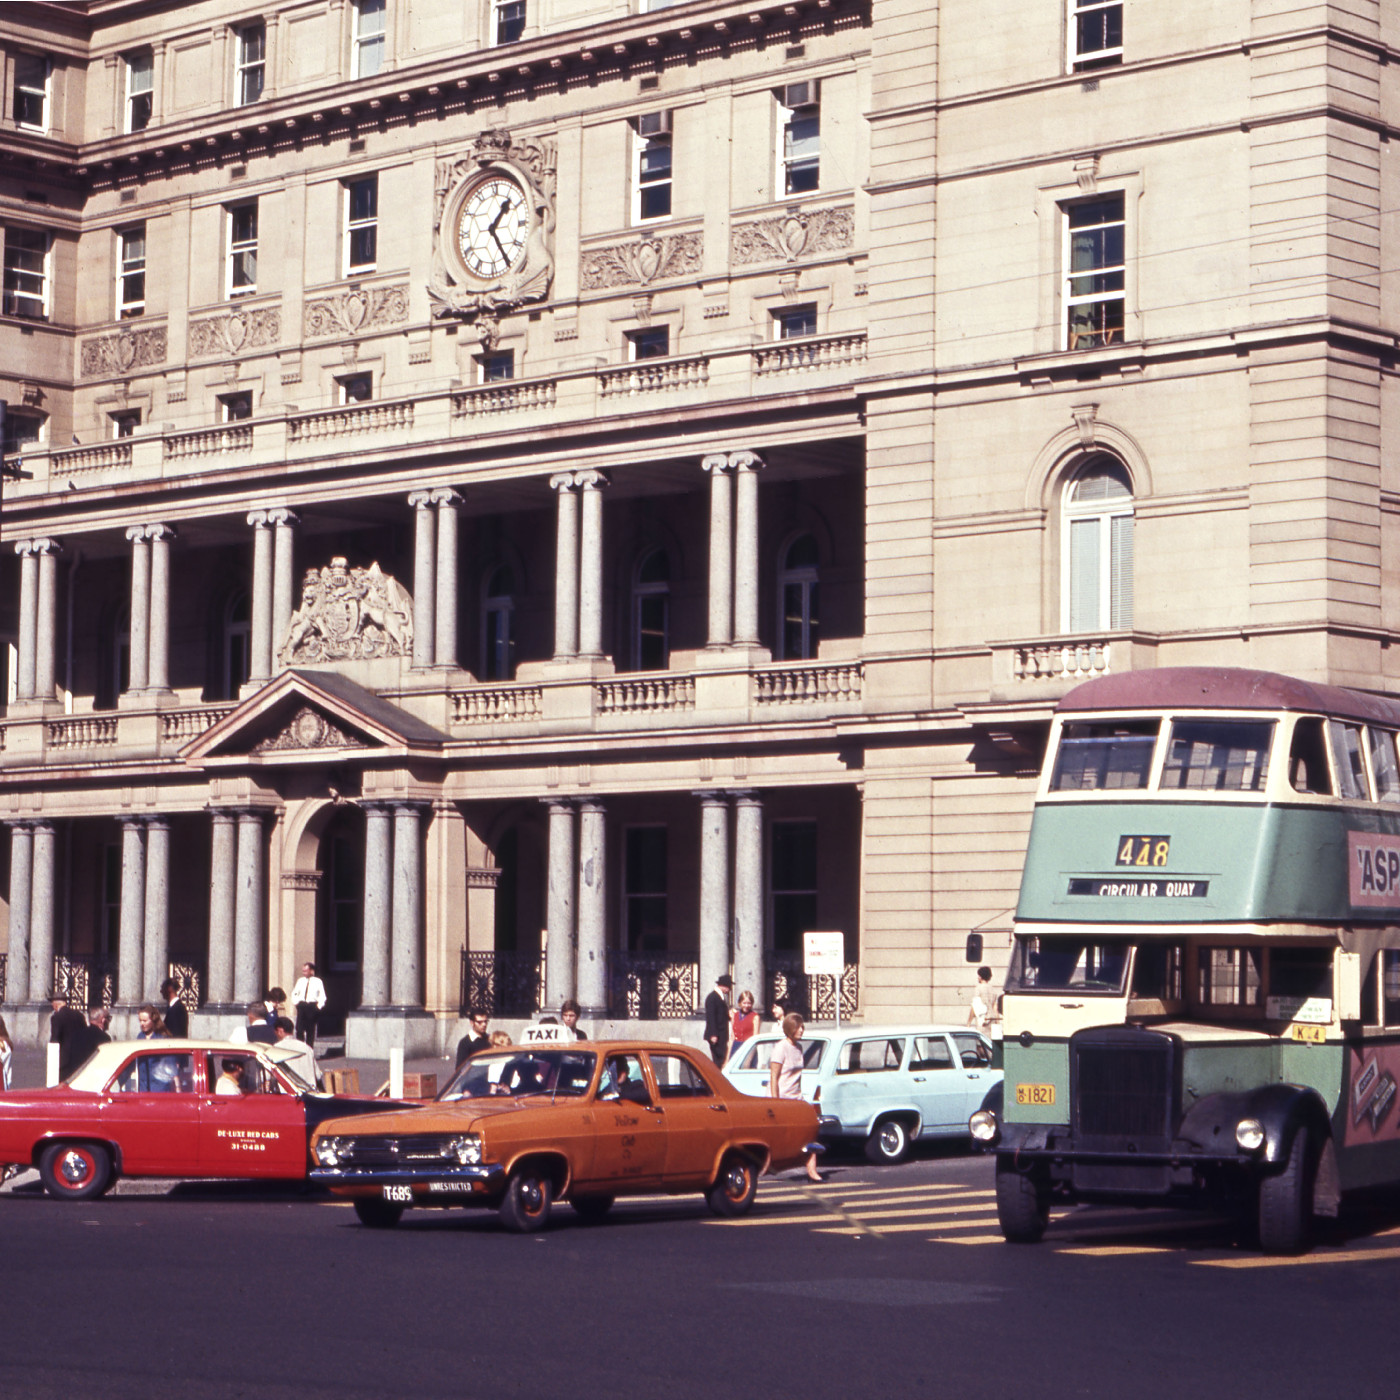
[{"x": 1139, "y": 889}]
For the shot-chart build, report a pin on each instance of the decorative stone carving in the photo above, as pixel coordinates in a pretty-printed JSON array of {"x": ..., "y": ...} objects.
[
  {"x": 348, "y": 615},
  {"x": 301, "y": 879},
  {"x": 235, "y": 331},
  {"x": 454, "y": 290},
  {"x": 642, "y": 261},
  {"x": 793, "y": 235},
  {"x": 309, "y": 729},
  {"x": 353, "y": 310},
  {"x": 123, "y": 351}
]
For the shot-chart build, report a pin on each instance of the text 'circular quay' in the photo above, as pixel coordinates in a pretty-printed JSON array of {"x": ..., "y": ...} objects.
[{"x": 826, "y": 507}]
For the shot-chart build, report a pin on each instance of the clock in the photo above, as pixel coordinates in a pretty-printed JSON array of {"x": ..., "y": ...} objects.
[{"x": 492, "y": 226}]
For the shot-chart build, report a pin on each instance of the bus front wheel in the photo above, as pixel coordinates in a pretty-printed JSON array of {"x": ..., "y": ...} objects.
[
  {"x": 1023, "y": 1203},
  {"x": 1285, "y": 1201}
]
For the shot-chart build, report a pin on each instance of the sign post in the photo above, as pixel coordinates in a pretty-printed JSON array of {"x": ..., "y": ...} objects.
[{"x": 824, "y": 953}]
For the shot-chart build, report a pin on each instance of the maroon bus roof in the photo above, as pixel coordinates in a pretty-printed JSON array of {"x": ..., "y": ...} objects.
[{"x": 1227, "y": 688}]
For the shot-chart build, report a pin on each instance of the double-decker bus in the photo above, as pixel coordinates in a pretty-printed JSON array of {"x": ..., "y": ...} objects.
[{"x": 1203, "y": 1002}]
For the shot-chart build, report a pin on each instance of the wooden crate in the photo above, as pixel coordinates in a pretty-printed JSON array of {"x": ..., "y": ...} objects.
[
  {"x": 342, "y": 1081},
  {"x": 420, "y": 1086}
]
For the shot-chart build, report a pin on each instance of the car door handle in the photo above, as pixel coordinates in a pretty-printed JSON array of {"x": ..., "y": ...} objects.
[
  {"x": 1071, "y": 1006},
  {"x": 919, "y": 1078},
  {"x": 719, "y": 1108}
]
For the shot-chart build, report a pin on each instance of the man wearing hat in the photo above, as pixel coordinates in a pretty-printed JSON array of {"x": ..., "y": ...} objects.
[{"x": 717, "y": 1018}]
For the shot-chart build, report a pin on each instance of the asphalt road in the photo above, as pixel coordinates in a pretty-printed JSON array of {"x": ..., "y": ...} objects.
[{"x": 881, "y": 1282}]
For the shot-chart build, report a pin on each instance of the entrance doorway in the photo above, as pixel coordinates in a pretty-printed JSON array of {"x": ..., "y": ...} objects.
[{"x": 340, "y": 917}]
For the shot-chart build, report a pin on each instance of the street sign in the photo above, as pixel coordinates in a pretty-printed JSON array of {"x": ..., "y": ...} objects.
[{"x": 824, "y": 953}]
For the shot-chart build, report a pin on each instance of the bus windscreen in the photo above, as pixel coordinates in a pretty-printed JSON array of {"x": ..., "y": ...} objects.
[
  {"x": 1102, "y": 756},
  {"x": 1069, "y": 963},
  {"x": 1218, "y": 755}
]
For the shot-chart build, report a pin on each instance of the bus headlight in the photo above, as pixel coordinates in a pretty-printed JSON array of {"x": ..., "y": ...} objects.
[
  {"x": 1249, "y": 1133},
  {"x": 983, "y": 1125}
]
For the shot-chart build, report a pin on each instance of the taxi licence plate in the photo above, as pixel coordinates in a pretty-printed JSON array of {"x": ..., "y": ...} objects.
[
  {"x": 1040, "y": 1095},
  {"x": 401, "y": 1194}
]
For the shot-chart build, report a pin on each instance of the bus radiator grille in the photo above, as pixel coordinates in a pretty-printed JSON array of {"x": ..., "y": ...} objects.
[{"x": 1123, "y": 1097}]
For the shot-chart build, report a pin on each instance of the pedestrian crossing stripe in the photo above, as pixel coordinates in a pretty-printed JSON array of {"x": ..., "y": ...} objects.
[
  {"x": 908, "y": 1227},
  {"x": 1107, "y": 1251},
  {"x": 1318, "y": 1256}
]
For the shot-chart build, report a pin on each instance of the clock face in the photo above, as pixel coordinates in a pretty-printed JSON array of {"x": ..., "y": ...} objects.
[{"x": 493, "y": 226}]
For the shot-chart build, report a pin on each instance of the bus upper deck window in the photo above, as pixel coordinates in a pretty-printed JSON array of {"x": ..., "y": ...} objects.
[
  {"x": 1100, "y": 756},
  {"x": 1307, "y": 759},
  {"x": 1348, "y": 759},
  {"x": 1218, "y": 755},
  {"x": 1157, "y": 971},
  {"x": 1228, "y": 976},
  {"x": 1385, "y": 773}
]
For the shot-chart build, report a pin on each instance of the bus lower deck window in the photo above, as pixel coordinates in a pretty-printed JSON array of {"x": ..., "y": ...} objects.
[
  {"x": 1104, "y": 756},
  {"x": 1229, "y": 976},
  {"x": 1157, "y": 971},
  {"x": 1218, "y": 755}
]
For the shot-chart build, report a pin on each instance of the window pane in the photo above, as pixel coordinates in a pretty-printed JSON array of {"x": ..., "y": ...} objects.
[
  {"x": 1218, "y": 755},
  {"x": 1384, "y": 772},
  {"x": 1120, "y": 574},
  {"x": 1347, "y": 759},
  {"x": 364, "y": 200},
  {"x": 510, "y": 21},
  {"x": 1085, "y": 590},
  {"x": 1095, "y": 757},
  {"x": 364, "y": 246}
]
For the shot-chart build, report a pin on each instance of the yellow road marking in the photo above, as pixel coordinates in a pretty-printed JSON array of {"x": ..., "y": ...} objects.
[
  {"x": 863, "y": 1202},
  {"x": 1101, "y": 1251},
  {"x": 966, "y": 1239},
  {"x": 1275, "y": 1261},
  {"x": 911, "y": 1228}
]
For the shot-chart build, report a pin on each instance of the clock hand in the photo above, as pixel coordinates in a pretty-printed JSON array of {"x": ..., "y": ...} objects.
[{"x": 500, "y": 214}]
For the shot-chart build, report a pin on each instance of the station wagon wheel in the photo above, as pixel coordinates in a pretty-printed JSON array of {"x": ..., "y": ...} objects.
[
  {"x": 735, "y": 1187},
  {"x": 377, "y": 1214},
  {"x": 75, "y": 1171},
  {"x": 889, "y": 1143},
  {"x": 528, "y": 1198},
  {"x": 1285, "y": 1201},
  {"x": 1023, "y": 1203},
  {"x": 592, "y": 1210}
]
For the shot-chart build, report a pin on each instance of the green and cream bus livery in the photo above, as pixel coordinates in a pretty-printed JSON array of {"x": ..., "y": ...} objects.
[{"x": 1203, "y": 1003}]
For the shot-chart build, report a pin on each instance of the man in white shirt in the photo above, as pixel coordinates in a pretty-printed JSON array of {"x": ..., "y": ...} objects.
[
  {"x": 308, "y": 1001},
  {"x": 303, "y": 1062}
]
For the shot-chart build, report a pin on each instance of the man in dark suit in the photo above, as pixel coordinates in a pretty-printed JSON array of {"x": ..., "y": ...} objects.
[
  {"x": 717, "y": 1018},
  {"x": 177, "y": 1018},
  {"x": 88, "y": 1036},
  {"x": 65, "y": 1022},
  {"x": 476, "y": 1039}
]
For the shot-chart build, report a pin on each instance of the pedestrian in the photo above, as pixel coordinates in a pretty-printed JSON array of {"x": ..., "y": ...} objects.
[
  {"x": 776, "y": 1014},
  {"x": 745, "y": 1019},
  {"x": 499, "y": 1040},
  {"x": 93, "y": 1034},
  {"x": 176, "y": 1015},
  {"x": 303, "y": 1058},
  {"x": 274, "y": 1000},
  {"x": 569, "y": 1014},
  {"x": 982, "y": 1012},
  {"x": 308, "y": 1001},
  {"x": 475, "y": 1038},
  {"x": 64, "y": 1022},
  {"x": 717, "y": 1018},
  {"x": 785, "y": 1073},
  {"x": 152, "y": 1024},
  {"x": 6, "y": 1054},
  {"x": 257, "y": 1030}
]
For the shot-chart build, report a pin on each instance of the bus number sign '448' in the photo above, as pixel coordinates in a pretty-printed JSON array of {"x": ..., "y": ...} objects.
[{"x": 1143, "y": 850}]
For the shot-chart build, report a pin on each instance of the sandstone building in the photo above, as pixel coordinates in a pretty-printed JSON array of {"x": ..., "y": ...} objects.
[{"x": 559, "y": 497}]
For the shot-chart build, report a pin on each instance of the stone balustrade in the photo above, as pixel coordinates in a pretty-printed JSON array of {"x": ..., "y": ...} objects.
[
  {"x": 504, "y": 704},
  {"x": 350, "y": 421},
  {"x": 1079, "y": 660},
  {"x": 809, "y": 353},
  {"x": 82, "y": 732},
  {"x": 654, "y": 376},
  {"x": 807, "y": 684},
  {"x": 646, "y": 694},
  {"x": 180, "y": 726},
  {"x": 505, "y": 396},
  {"x": 103, "y": 456},
  {"x": 223, "y": 441}
]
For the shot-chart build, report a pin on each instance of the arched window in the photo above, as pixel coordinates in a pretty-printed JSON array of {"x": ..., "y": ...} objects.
[
  {"x": 651, "y": 612},
  {"x": 1097, "y": 578},
  {"x": 797, "y": 601},
  {"x": 497, "y": 639},
  {"x": 235, "y": 658}
]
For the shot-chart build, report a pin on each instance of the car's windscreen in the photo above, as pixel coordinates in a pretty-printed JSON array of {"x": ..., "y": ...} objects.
[
  {"x": 1069, "y": 964},
  {"x": 1105, "y": 755},
  {"x": 515, "y": 1073}
]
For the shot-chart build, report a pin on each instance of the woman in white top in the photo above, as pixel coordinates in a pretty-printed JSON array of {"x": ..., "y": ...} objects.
[{"x": 785, "y": 1073}]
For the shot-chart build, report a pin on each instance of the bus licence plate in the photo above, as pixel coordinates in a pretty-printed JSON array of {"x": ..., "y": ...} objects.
[
  {"x": 402, "y": 1194},
  {"x": 1041, "y": 1095}
]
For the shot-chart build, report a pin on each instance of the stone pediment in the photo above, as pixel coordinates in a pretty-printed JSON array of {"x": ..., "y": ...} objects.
[{"x": 313, "y": 717}]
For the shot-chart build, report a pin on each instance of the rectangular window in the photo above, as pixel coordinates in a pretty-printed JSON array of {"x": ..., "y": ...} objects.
[
  {"x": 361, "y": 224},
  {"x": 22, "y": 430},
  {"x": 653, "y": 343},
  {"x": 369, "y": 38},
  {"x": 131, "y": 272},
  {"x": 800, "y": 123},
  {"x": 793, "y": 876},
  {"x": 26, "y": 290},
  {"x": 234, "y": 408},
  {"x": 250, "y": 63},
  {"x": 507, "y": 20},
  {"x": 794, "y": 321},
  {"x": 651, "y": 174},
  {"x": 1217, "y": 755},
  {"x": 1095, "y": 272},
  {"x": 356, "y": 388},
  {"x": 32, "y": 73},
  {"x": 125, "y": 424},
  {"x": 866, "y": 1056},
  {"x": 1385, "y": 773},
  {"x": 1348, "y": 760},
  {"x": 645, "y": 880},
  {"x": 1095, "y": 34},
  {"x": 1229, "y": 976},
  {"x": 1097, "y": 757},
  {"x": 500, "y": 364},
  {"x": 242, "y": 250},
  {"x": 140, "y": 90}
]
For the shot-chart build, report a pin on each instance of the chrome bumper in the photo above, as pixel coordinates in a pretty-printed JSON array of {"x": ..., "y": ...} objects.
[{"x": 483, "y": 1180}]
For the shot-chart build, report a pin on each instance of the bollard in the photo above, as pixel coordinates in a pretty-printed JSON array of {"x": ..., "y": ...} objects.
[
  {"x": 396, "y": 1072},
  {"x": 52, "y": 1062}
]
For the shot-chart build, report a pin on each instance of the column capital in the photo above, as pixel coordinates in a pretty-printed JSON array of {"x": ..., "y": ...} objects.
[
  {"x": 221, "y": 814},
  {"x": 402, "y": 806},
  {"x": 42, "y": 546},
  {"x": 44, "y": 824},
  {"x": 132, "y": 823},
  {"x": 160, "y": 532},
  {"x": 715, "y": 462},
  {"x": 713, "y": 797},
  {"x": 137, "y": 534},
  {"x": 281, "y": 515},
  {"x": 377, "y": 805},
  {"x": 420, "y": 500},
  {"x": 21, "y": 823},
  {"x": 746, "y": 461},
  {"x": 591, "y": 804},
  {"x": 560, "y": 804},
  {"x": 747, "y": 797},
  {"x": 445, "y": 496},
  {"x": 24, "y": 548},
  {"x": 562, "y": 481},
  {"x": 159, "y": 820},
  {"x": 259, "y": 518},
  {"x": 592, "y": 480}
]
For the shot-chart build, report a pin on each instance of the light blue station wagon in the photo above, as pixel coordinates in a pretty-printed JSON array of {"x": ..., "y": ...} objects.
[{"x": 885, "y": 1085}]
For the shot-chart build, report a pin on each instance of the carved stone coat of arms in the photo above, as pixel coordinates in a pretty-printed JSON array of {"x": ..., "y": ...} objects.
[{"x": 348, "y": 615}]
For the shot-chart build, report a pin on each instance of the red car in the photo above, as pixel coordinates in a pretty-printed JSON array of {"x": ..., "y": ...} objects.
[{"x": 181, "y": 1108}]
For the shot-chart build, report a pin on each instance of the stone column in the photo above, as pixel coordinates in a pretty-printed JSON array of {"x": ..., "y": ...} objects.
[
  {"x": 424, "y": 590},
  {"x": 139, "y": 677},
  {"x": 249, "y": 897},
  {"x": 746, "y": 467},
  {"x": 590, "y": 585},
  {"x": 445, "y": 616},
  {"x": 41, "y": 907},
  {"x": 222, "y": 878},
  {"x": 566, "y": 569},
  {"x": 131, "y": 950},
  {"x": 407, "y": 941},
  {"x": 156, "y": 961},
  {"x": 714, "y": 888},
  {"x": 748, "y": 897},
  {"x": 559, "y": 907},
  {"x": 260, "y": 640},
  {"x": 158, "y": 668},
  {"x": 46, "y": 620},
  {"x": 721, "y": 551},
  {"x": 21, "y": 902},
  {"x": 592, "y": 980},
  {"x": 28, "y": 618},
  {"x": 379, "y": 860},
  {"x": 284, "y": 524}
]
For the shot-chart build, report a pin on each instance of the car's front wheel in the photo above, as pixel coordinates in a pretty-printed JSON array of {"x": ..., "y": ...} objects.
[
  {"x": 889, "y": 1142},
  {"x": 528, "y": 1198},
  {"x": 75, "y": 1171},
  {"x": 377, "y": 1214},
  {"x": 735, "y": 1187}
]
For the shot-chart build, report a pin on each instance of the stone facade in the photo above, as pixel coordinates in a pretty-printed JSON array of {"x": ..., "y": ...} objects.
[{"x": 715, "y": 388}]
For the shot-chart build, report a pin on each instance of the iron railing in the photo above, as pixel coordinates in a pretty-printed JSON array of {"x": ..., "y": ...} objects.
[
  {"x": 813, "y": 998},
  {"x": 89, "y": 980},
  {"x": 651, "y": 986},
  {"x": 502, "y": 984}
]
